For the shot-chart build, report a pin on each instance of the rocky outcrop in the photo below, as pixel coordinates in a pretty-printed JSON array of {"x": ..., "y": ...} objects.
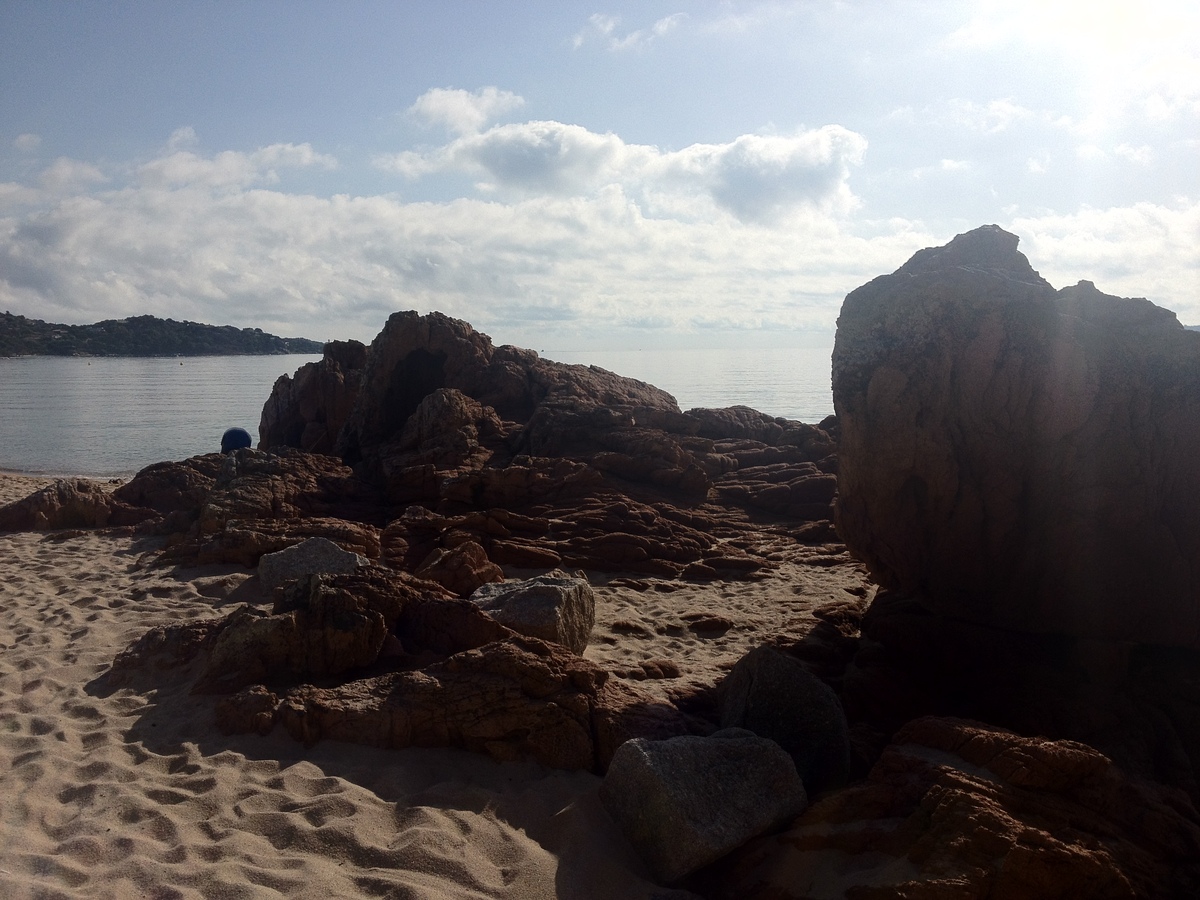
[
  {"x": 173, "y": 489},
  {"x": 446, "y": 422},
  {"x": 554, "y": 607},
  {"x": 512, "y": 698},
  {"x": 261, "y": 503},
  {"x": 687, "y": 801},
  {"x": 455, "y": 458},
  {"x": 324, "y": 625},
  {"x": 1018, "y": 456},
  {"x": 308, "y": 410},
  {"x": 955, "y": 808},
  {"x": 382, "y": 658},
  {"x": 69, "y": 503}
]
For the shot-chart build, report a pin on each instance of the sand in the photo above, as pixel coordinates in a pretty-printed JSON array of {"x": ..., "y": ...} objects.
[{"x": 134, "y": 792}]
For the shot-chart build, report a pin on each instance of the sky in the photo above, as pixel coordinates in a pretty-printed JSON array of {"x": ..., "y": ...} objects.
[{"x": 582, "y": 176}]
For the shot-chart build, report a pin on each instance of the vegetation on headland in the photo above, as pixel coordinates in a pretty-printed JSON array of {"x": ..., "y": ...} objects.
[{"x": 141, "y": 336}]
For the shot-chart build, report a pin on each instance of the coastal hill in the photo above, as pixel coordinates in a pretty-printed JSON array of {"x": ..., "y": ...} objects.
[{"x": 141, "y": 336}]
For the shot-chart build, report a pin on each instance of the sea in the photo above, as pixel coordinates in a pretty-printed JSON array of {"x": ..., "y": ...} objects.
[{"x": 112, "y": 416}]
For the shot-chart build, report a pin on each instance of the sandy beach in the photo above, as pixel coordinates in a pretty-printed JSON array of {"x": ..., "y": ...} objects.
[{"x": 135, "y": 793}]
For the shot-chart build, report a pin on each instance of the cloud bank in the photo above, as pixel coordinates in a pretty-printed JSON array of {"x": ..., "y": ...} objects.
[
  {"x": 570, "y": 238},
  {"x": 756, "y": 178}
]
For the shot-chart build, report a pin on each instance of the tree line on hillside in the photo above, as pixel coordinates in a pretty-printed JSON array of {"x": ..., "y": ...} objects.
[{"x": 141, "y": 336}]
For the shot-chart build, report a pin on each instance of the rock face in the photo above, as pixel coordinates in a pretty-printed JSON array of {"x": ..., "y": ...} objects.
[
  {"x": 554, "y": 607},
  {"x": 772, "y": 695},
  {"x": 687, "y": 801},
  {"x": 958, "y": 809},
  {"x": 1019, "y": 456},
  {"x": 309, "y": 410}
]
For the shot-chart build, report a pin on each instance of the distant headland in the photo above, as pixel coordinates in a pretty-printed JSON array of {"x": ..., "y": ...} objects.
[{"x": 141, "y": 336}]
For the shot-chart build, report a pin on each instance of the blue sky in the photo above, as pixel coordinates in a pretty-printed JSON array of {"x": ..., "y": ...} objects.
[{"x": 582, "y": 176}]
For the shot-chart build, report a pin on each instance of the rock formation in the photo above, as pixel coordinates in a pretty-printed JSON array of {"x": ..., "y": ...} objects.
[
  {"x": 545, "y": 464},
  {"x": 959, "y": 809},
  {"x": 1019, "y": 456},
  {"x": 70, "y": 503},
  {"x": 401, "y": 664},
  {"x": 309, "y": 410}
]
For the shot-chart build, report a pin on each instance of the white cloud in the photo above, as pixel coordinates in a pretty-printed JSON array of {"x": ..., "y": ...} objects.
[
  {"x": 579, "y": 233},
  {"x": 1141, "y": 250},
  {"x": 198, "y": 244},
  {"x": 182, "y": 137},
  {"x": 230, "y": 168},
  {"x": 461, "y": 111},
  {"x": 1141, "y": 155},
  {"x": 64, "y": 175},
  {"x": 603, "y": 28},
  {"x": 754, "y": 177},
  {"x": 27, "y": 143}
]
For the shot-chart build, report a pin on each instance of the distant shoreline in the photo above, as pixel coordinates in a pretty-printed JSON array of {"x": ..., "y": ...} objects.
[
  {"x": 142, "y": 337},
  {"x": 151, "y": 355}
]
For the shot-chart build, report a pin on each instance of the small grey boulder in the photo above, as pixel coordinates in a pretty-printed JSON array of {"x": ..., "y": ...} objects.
[
  {"x": 316, "y": 555},
  {"x": 774, "y": 696},
  {"x": 687, "y": 801},
  {"x": 554, "y": 607}
]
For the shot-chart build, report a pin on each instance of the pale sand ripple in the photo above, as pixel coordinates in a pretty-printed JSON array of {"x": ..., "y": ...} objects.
[{"x": 134, "y": 793}]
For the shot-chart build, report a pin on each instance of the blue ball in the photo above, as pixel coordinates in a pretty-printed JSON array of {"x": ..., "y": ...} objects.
[{"x": 234, "y": 439}]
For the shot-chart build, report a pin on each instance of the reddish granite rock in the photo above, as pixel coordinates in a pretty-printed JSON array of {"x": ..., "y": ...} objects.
[
  {"x": 69, "y": 503},
  {"x": 461, "y": 569},
  {"x": 1139, "y": 705},
  {"x": 308, "y": 410},
  {"x": 509, "y": 698},
  {"x": 1019, "y": 456},
  {"x": 245, "y": 542},
  {"x": 264, "y": 502},
  {"x": 171, "y": 487},
  {"x": 959, "y": 809},
  {"x": 417, "y": 668},
  {"x": 323, "y": 625},
  {"x": 282, "y": 484}
]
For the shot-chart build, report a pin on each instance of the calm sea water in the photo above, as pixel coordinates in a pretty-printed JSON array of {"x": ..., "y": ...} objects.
[
  {"x": 793, "y": 382},
  {"x": 113, "y": 416}
]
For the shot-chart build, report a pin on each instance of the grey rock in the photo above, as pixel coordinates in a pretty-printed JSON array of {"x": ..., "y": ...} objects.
[
  {"x": 687, "y": 801},
  {"x": 775, "y": 697},
  {"x": 314, "y": 556},
  {"x": 554, "y": 607}
]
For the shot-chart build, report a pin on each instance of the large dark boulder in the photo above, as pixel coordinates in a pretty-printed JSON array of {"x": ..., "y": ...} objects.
[
  {"x": 774, "y": 696},
  {"x": 686, "y": 801},
  {"x": 1019, "y": 456}
]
